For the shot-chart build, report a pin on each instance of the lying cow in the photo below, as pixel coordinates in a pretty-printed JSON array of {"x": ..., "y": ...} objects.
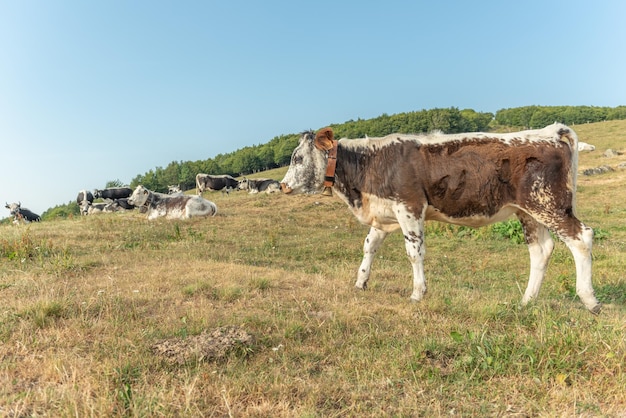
[
  {"x": 113, "y": 193},
  {"x": 172, "y": 207},
  {"x": 22, "y": 214},
  {"x": 259, "y": 185},
  {"x": 222, "y": 182},
  {"x": 88, "y": 208},
  {"x": 122, "y": 204},
  {"x": 472, "y": 179}
]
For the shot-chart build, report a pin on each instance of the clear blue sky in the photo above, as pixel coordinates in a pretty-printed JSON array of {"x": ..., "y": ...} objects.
[{"x": 94, "y": 91}]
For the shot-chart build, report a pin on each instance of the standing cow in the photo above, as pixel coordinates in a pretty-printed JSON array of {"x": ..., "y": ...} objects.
[
  {"x": 473, "y": 179},
  {"x": 113, "y": 193},
  {"x": 22, "y": 214},
  {"x": 222, "y": 182},
  {"x": 172, "y": 207},
  {"x": 259, "y": 185}
]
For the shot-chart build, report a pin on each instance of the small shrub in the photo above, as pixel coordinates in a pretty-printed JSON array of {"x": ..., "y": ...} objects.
[{"x": 511, "y": 230}]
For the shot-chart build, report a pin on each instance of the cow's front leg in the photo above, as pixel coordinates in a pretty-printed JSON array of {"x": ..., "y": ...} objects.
[
  {"x": 373, "y": 241},
  {"x": 412, "y": 225}
]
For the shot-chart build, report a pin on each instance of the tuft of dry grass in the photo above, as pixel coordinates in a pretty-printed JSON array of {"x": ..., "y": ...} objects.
[{"x": 87, "y": 301}]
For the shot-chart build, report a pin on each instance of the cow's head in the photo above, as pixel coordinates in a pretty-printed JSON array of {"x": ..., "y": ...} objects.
[
  {"x": 308, "y": 163},
  {"x": 243, "y": 184},
  {"x": 13, "y": 207},
  {"x": 140, "y": 196}
]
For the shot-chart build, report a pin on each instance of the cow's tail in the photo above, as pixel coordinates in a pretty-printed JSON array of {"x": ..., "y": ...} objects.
[{"x": 567, "y": 135}]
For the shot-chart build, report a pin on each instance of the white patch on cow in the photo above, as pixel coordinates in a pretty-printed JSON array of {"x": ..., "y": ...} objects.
[{"x": 171, "y": 207}]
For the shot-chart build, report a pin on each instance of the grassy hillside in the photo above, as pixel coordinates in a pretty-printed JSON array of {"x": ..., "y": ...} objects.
[{"x": 253, "y": 313}]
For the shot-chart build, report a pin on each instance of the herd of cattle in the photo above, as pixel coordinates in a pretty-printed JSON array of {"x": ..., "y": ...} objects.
[
  {"x": 400, "y": 181},
  {"x": 173, "y": 205}
]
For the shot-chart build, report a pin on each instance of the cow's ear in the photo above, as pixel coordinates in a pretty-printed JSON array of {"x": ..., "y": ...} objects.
[{"x": 324, "y": 139}]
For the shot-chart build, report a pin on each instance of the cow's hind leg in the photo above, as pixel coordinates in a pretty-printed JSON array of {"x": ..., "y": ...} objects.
[
  {"x": 540, "y": 246},
  {"x": 580, "y": 245},
  {"x": 579, "y": 240},
  {"x": 373, "y": 241}
]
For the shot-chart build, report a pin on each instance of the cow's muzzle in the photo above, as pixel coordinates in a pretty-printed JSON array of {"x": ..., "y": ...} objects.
[{"x": 285, "y": 189}]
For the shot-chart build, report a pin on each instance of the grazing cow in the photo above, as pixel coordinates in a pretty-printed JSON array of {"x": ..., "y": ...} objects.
[
  {"x": 172, "y": 207},
  {"x": 113, "y": 193},
  {"x": 20, "y": 213},
  {"x": 222, "y": 182},
  {"x": 259, "y": 185},
  {"x": 472, "y": 179},
  {"x": 84, "y": 195}
]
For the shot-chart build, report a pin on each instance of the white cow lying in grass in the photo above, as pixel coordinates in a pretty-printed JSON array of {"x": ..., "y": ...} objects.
[{"x": 172, "y": 207}]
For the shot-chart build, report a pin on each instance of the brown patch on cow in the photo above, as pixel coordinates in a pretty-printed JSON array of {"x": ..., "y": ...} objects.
[{"x": 474, "y": 178}]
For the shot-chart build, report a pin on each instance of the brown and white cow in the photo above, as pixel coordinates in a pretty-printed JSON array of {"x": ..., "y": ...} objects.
[
  {"x": 171, "y": 206},
  {"x": 473, "y": 179}
]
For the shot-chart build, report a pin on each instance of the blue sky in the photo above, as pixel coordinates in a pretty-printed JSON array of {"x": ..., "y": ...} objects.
[{"x": 97, "y": 91}]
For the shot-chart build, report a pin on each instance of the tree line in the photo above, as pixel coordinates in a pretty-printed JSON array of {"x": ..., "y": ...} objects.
[
  {"x": 533, "y": 117},
  {"x": 277, "y": 152}
]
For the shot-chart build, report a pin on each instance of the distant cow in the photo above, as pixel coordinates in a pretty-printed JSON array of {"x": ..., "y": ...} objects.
[
  {"x": 172, "y": 207},
  {"x": 259, "y": 185},
  {"x": 88, "y": 208},
  {"x": 222, "y": 182},
  {"x": 174, "y": 189},
  {"x": 113, "y": 193},
  {"x": 84, "y": 195},
  {"x": 21, "y": 213},
  {"x": 583, "y": 146},
  {"x": 473, "y": 179}
]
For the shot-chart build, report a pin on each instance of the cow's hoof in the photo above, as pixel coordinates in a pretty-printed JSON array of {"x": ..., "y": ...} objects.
[
  {"x": 362, "y": 287},
  {"x": 596, "y": 309},
  {"x": 413, "y": 300}
]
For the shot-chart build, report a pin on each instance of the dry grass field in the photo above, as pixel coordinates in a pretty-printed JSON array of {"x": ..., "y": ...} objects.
[{"x": 253, "y": 313}]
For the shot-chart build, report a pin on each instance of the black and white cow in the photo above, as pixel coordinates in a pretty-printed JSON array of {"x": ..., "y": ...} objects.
[
  {"x": 473, "y": 179},
  {"x": 113, "y": 193},
  {"x": 122, "y": 204},
  {"x": 174, "y": 189},
  {"x": 84, "y": 195},
  {"x": 88, "y": 208},
  {"x": 172, "y": 207},
  {"x": 22, "y": 214},
  {"x": 259, "y": 185},
  {"x": 222, "y": 182}
]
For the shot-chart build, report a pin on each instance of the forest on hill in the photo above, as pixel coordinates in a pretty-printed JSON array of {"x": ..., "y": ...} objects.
[{"x": 277, "y": 152}]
